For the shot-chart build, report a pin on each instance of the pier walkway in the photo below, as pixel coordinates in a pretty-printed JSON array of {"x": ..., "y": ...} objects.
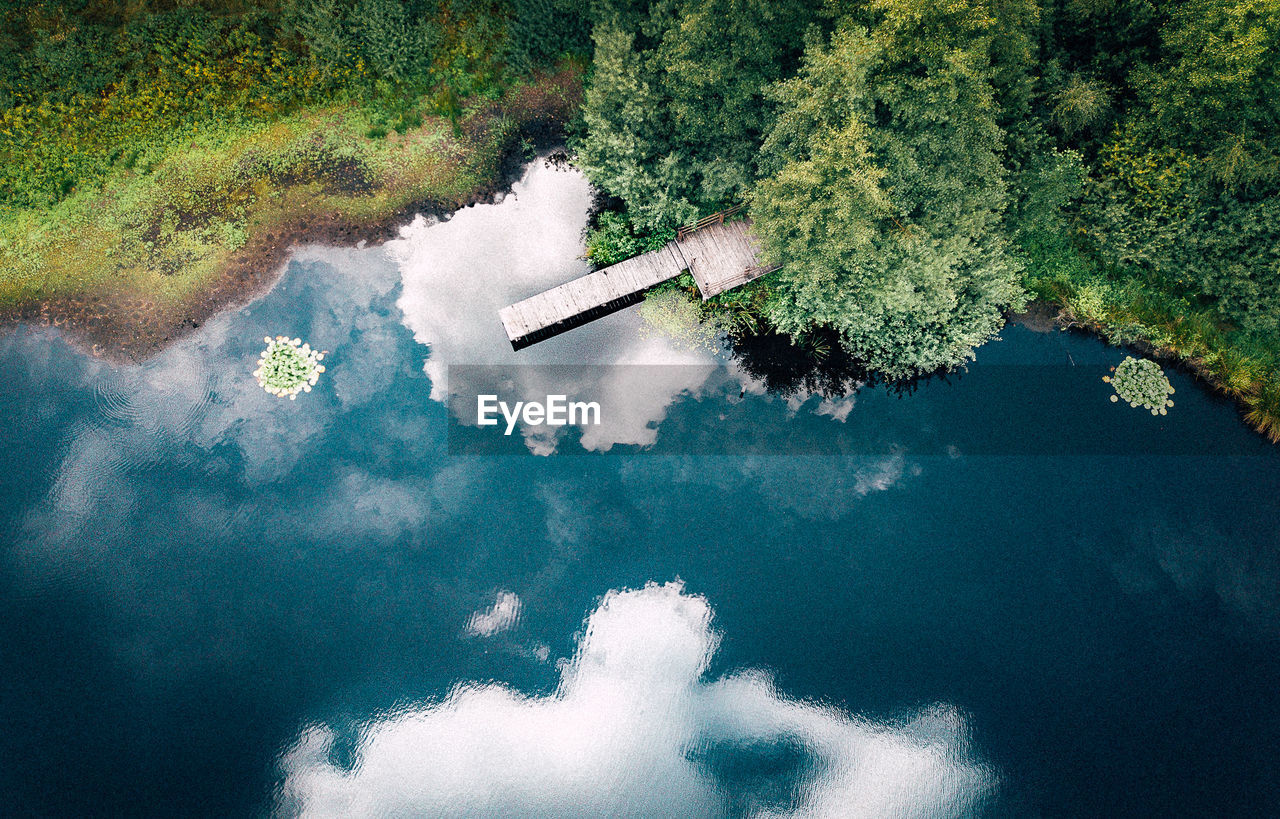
[{"x": 719, "y": 253}]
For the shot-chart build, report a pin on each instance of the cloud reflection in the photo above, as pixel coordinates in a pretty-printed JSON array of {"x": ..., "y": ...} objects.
[
  {"x": 634, "y": 730},
  {"x": 458, "y": 274},
  {"x": 501, "y": 616}
]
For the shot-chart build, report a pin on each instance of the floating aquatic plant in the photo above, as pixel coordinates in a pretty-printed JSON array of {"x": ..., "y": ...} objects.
[
  {"x": 288, "y": 367},
  {"x": 676, "y": 317},
  {"x": 1142, "y": 383}
]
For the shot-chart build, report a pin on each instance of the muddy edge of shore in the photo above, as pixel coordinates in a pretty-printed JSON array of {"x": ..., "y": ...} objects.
[{"x": 129, "y": 328}]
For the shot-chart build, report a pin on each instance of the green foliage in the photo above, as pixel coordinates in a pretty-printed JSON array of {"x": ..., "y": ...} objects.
[
  {"x": 1127, "y": 151},
  {"x": 679, "y": 318},
  {"x": 1235, "y": 370},
  {"x": 1214, "y": 91},
  {"x": 1080, "y": 104},
  {"x": 1264, "y": 407},
  {"x": 1185, "y": 192},
  {"x": 1150, "y": 210},
  {"x": 626, "y": 137},
  {"x": 1128, "y": 309},
  {"x": 1101, "y": 41},
  {"x": 674, "y": 109},
  {"x": 165, "y": 235},
  {"x": 142, "y": 144},
  {"x": 327, "y": 39},
  {"x": 89, "y": 91},
  {"x": 1176, "y": 239},
  {"x": 540, "y": 31},
  {"x": 678, "y": 109},
  {"x": 885, "y": 193},
  {"x": 616, "y": 238},
  {"x": 1049, "y": 184},
  {"x": 393, "y": 45},
  {"x": 1141, "y": 383}
]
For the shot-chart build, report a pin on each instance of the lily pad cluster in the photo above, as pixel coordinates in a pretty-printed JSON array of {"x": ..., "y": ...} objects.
[
  {"x": 288, "y": 367},
  {"x": 1142, "y": 383}
]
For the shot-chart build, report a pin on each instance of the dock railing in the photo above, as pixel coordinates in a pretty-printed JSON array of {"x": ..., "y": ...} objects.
[{"x": 714, "y": 219}]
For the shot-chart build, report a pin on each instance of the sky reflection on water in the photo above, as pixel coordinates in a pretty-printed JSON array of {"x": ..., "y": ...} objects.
[
  {"x": 633, "y": 729},
  {"x": 458, "y": 274},
  {"x": 223, "y": 602}
]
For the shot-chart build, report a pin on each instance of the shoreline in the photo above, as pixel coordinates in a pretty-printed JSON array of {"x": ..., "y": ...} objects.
[
  {"x": 122, "y": 326},
  {"x": 125, "y": 328},
  {"x": 128, "y": 329},
  {"x": 98, "y": 326},
  {"x": 1044, "y": 316}
]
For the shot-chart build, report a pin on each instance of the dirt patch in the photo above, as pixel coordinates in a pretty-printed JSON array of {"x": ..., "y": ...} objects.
[
  {"x": 109, "y": 326},
  {"x": 1040, "y": 317}
]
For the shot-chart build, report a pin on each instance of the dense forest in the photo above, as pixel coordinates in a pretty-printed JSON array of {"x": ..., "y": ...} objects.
[{"x": 919, "y": 169}]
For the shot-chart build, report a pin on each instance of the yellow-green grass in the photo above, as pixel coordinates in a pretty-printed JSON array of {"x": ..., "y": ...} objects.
[{"x": 167, "y": 234}]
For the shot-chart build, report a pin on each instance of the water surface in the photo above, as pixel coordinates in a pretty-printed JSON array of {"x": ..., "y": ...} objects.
[{"x": 219, "y": 603}]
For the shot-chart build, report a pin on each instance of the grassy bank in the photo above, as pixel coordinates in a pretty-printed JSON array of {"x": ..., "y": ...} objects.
[
  {"x": 158, "y": 159},
  {"x": 1126, "y": 307},
  {"x": 133, "y": 258}
]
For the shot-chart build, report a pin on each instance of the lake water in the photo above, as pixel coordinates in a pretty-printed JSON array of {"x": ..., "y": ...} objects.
[{"x": 718, "y": 601}]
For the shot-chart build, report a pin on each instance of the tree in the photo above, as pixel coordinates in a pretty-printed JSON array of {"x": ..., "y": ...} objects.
[
  {"x": 1216, "y": 92},
  {"x": 885, "y": 189},
  {"x": 1186, "y": 192},
  {"x": 627, "y": 149},
  {"x": 675, "y": 110},
  {"x": 539, "y": 31}
]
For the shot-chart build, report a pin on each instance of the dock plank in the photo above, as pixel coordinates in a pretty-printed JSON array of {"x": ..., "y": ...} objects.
[{"x": 720, "y": 255}]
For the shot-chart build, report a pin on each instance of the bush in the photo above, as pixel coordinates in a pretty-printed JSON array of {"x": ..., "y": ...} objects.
[
  {"x": 616, "y": 238},
  {"x": 677, "y": 317}
]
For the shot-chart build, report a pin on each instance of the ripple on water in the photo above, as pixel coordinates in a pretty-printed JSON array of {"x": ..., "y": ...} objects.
[
  {"x": 111, "y": 394},
  {"x": 170, "y": 396},
  {"x": 89, "y": 490}
]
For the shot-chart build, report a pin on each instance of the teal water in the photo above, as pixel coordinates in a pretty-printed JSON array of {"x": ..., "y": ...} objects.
[{"x": 215, "y": 602}]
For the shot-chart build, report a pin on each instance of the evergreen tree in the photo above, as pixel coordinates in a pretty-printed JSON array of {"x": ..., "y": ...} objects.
[
  {"x": 676, "y": 110},
  {"x": 885, "y": 190}
]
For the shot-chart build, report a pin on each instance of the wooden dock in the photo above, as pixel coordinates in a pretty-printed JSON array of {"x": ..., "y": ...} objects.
[
  {"x": 720, "y": 254},
  {"x": 721, "y": 257}
]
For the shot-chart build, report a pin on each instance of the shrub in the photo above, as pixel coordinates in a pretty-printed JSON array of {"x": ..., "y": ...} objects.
[
  {"x": 676, "y": 316},
  {"x": 1264, "y": 409},
  {"x": 615, "y": 239}
]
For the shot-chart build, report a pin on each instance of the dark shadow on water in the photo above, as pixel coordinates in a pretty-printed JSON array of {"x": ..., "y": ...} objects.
[{"x": 816, "y": 364}]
